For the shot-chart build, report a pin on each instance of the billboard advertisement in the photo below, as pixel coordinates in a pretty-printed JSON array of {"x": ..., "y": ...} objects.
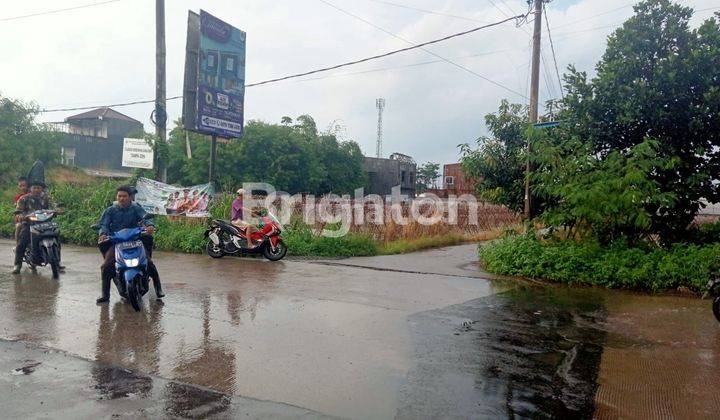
[
  {"x": 137, "y": 153},
  {"x": 220, "y": 80},
  {"x": 159, "y": 198}
]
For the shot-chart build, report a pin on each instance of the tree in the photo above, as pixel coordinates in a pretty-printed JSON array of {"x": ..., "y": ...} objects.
[
  {"x": 427, "y": 175},
  {"x": 23, "y": 141},
  {"x": 293, "y": 158},
  {"x": 657, "y": 81},
  {"x": 498, "y": 163}
]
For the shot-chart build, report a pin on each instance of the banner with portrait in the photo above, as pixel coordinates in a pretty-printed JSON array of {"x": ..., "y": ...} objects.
[{"x": 159, "y": 198}]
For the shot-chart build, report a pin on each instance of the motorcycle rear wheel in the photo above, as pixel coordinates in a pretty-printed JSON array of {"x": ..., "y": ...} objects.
[
  {"x": 134, "y": 293},
  {"x": 214, "y": 251},
  {"x": 716, "y": 307}
]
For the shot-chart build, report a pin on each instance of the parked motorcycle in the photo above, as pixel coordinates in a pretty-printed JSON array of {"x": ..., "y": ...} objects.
[
  {"x": 224, "y": 238},
  {"x": 713, "y": 291},
  {"x": 44, "y": 232},
  {"x": 131, "y": 264}
]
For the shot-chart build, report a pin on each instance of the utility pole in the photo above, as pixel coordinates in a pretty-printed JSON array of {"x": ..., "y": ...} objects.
[
  {"x": 534, "y": 85},
  {"x": 160, "y": 109},
  {"x": 380, "y": 104}
]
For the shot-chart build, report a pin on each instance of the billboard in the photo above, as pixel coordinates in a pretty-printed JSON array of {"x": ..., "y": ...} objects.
[
  {"x": 214, "y": 77},
  {"x": 137, "y": 153},
  {"x": 158, "y": 198}
]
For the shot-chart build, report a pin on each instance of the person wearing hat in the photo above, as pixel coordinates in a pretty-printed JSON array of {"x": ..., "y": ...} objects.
[{"x": 35, "y": 200}]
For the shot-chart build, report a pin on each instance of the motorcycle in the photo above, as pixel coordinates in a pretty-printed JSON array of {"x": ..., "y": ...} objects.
[
  {"x": 44, "y": 232},
  {"x": 713, "y": 290},
  {"x": 224, "y": 238},
  {"x": 131, "y": 264}
]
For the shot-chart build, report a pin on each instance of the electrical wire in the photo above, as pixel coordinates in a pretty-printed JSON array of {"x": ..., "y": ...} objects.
[
  {"x": 420, "y": 46},
  {"x": 7, "y": 19},
  {"x": 552, "y": 48},
  {"x": 324, "y": 69}
]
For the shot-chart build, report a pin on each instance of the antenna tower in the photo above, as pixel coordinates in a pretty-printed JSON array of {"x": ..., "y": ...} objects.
[{"x": 380, "y": 104}]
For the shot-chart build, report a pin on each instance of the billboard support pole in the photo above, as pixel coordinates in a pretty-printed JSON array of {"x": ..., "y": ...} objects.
[{"x": 213, "y": 154}]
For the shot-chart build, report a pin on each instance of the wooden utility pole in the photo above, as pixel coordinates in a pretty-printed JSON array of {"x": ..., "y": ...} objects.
[
  {"x": 160, "y": 109},
  {"x": 534, "y": 85}
]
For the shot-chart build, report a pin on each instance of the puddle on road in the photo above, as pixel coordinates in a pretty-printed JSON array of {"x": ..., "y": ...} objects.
[{"x": 529, "y": 352}]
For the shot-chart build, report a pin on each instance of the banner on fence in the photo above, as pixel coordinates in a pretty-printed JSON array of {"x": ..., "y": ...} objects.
[{"x": 158, "y": 198}]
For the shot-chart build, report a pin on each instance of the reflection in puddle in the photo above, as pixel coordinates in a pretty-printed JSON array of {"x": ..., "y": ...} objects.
[{"x": 527, "y": 352}]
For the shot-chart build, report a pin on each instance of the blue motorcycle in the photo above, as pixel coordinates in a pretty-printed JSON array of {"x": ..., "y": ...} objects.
[{"x": 131, "y": 265}]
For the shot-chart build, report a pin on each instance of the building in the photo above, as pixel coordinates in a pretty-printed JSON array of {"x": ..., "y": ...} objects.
[
  {"x": 94, "y": 140},
  {"x": 384, "y": 174},
  {"x": 455, "y": 182}
]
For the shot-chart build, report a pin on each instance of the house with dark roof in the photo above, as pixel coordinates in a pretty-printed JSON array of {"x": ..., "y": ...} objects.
[{"x": 94, "y": 140}]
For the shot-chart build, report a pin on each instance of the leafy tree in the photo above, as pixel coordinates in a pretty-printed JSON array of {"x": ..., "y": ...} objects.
[
  {"x": 498, "y": 163},
  {"x": 293, "y": 158},
  {"x": 606, "y": 197},
  {"x": 22, "y": 140},
  {"x": 657, "y": 81},
  {"x": 427, "y": 175}
]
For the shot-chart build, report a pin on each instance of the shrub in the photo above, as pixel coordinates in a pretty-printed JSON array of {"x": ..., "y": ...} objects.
[{"x": 641, "y": 267}]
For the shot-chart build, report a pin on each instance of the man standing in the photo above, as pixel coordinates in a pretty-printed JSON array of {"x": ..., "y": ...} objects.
[
  {"x": 27, "y": 204},
  {"x": 23, "y": 189},
  {"x": 123, "y": 215}
]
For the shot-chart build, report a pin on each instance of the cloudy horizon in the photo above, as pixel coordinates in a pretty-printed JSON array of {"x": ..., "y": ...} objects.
[{"x": 105, "y": 54}]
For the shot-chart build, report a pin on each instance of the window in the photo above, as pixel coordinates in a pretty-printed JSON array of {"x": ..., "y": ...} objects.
[
  {"x": 449, "y": 181},
  {"x": 402, "y": 176}
]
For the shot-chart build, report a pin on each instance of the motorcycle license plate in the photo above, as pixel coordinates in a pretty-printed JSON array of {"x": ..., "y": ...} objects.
[{"x": 132, "y": 244}]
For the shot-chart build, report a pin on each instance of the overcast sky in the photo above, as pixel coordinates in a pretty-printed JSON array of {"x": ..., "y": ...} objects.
[{"x": 105, "y": 54}]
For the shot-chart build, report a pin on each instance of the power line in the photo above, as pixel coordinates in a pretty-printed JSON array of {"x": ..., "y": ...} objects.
[
  {"x": 57, "y": 10},
  {"x": 324, "y": 69},
  {"x": 552, "y": 48},
  {"x": 430, "y": 52}
]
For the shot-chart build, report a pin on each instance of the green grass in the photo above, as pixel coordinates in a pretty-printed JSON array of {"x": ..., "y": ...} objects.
[
  {"x": 83, "y": 205},
  {"x": 645, "y": 267}
]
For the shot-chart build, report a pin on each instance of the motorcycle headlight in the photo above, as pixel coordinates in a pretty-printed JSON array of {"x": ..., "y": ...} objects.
[{"x": 133, "y": 262}]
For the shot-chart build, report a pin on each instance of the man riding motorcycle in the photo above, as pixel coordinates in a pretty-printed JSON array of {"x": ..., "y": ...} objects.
[
  {"x": 123, "y": 215},
  {"x": 35, "y": 200}
]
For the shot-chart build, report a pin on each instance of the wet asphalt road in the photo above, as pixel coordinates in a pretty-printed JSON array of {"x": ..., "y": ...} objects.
[{"x": 426, "y": 335}]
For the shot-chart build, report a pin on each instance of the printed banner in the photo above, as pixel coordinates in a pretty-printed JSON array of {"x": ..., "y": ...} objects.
[
  {"x": 137, "y": 153},
  {"x": 221, "y": 78},
  {"x": 158, "y": 198}
]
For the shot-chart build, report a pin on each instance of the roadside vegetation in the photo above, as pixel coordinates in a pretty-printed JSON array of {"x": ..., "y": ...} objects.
[{"x": 618, "y": 184}]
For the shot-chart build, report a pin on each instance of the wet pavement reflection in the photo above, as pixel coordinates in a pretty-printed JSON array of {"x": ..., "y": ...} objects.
[{"x": 416, "y": 336}]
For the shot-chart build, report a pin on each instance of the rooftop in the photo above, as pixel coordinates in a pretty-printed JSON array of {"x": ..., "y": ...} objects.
[{"x": 103, "y": 113}]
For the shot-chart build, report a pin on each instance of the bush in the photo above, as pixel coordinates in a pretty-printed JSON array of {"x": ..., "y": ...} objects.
[
  {"x": 643, "y": 267},
  {"x": 83, "y": 206}
]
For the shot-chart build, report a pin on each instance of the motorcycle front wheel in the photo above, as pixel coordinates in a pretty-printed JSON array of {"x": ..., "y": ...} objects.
[
  {"x": 275, "y": 254},
  {"x": 54, "y": 260},
  {"x": 134, "y": 293},
  {"x": 716, "y": 307}
]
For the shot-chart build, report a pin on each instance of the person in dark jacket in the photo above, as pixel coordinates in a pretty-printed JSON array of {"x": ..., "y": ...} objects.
[
  {"x": 35, "y": 200},
  {"x": 123, "y": 215}
]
